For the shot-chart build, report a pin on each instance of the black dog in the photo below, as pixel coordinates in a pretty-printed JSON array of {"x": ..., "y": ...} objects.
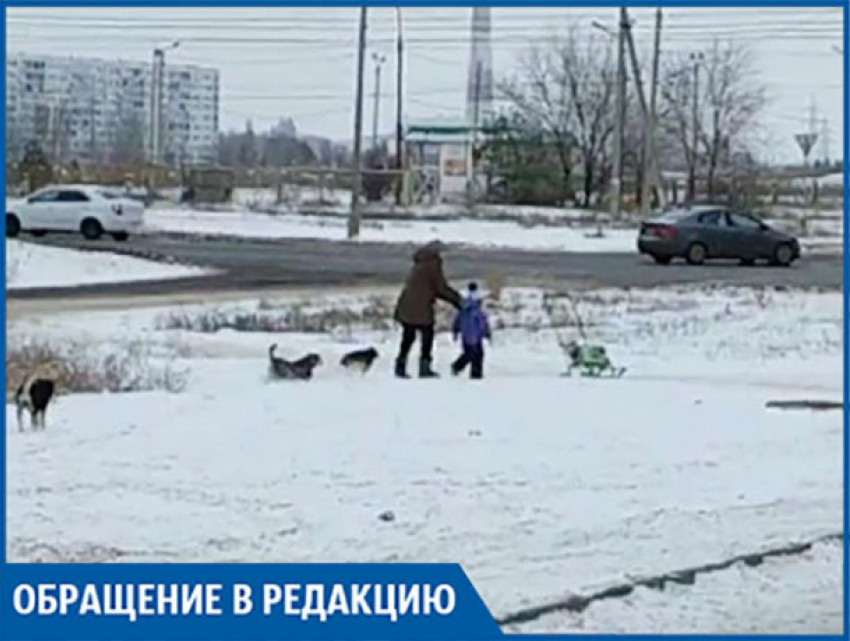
[
  {"x": 302, "y": 369},
  {"x": 34, "y": 395},
  {"x": 362, "y": 359}
]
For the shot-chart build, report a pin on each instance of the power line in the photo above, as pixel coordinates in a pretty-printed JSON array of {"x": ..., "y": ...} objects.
[
  {"x": 335, "y": 42},
  {"x": 514, "y": 34},
  {"x": 324, "y": 24}
]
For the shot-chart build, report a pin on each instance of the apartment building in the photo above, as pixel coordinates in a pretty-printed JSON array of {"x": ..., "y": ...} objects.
[{"x": 93, "y": 109}]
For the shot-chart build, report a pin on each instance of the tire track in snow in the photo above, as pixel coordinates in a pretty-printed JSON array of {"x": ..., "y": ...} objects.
[{"x": 578, "y": 603}]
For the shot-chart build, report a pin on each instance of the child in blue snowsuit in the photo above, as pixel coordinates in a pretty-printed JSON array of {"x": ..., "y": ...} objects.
[{"x": 472, "y": 326}]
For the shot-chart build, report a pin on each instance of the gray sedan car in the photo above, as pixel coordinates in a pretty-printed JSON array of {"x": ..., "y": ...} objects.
[{"x": 715, "y": 232}]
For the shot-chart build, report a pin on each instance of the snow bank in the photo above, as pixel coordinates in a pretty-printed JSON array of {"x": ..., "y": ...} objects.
[{"x": 30, "y": 265}]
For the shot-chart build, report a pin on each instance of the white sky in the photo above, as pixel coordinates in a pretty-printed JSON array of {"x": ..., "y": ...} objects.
[{"x": 300, "y": 62}]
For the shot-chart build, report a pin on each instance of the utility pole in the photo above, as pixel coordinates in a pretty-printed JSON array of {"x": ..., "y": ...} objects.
[
  {"x": 157, "y": 100},
  {"x": 156, "y": 103},
  {"x": 379, "y": 59},
  {"x": 354, "y": 214},
  {"x": 825, "y": 134},
  {"x": 619, "y": 116},
  {"x": 650, "y": 165},
  {"x": 649, "y": 154},
  {"x": 399, "y": 65},
  {"x": 813, "y": 115},
  {"x": 696, "y": 58},
  {"x": 476, "y": 114}
]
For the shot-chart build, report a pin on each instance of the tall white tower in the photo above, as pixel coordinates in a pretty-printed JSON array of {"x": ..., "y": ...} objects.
[{"x": 479, "y": 86}]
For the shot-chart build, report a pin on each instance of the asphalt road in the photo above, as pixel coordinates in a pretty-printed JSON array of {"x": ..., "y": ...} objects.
[{"x": 254, "y": 264}]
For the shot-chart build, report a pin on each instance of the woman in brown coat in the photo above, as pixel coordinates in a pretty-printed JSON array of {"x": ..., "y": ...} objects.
[{"x": 415, "y": 308}]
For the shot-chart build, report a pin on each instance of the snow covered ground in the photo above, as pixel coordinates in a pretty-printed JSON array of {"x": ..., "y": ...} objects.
[
  {"x": 478, "y": 233},
  {"x": 786, "y": 595},
  {"x": 30, "y": 265},
  {"x": 832, "y": 180},
  {"x": 472, "y": 232},
  {"x": 540, "y": 486}
]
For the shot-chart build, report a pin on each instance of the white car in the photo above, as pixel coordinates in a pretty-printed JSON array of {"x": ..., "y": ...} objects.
[{"x": 88, "y": 209}]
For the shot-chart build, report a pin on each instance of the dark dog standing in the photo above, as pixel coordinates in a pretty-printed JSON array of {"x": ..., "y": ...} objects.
[
  {"x": 362, "y": 359},
  {"x": 34, "y": 395}
]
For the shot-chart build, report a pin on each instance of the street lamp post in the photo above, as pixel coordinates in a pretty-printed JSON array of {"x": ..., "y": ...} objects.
[
  {"x": 157, "y": 102},
  {"x": 696, "y": 59},
  {"x": 379, "y": 59}
]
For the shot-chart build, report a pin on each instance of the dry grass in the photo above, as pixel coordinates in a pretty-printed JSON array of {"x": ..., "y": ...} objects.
[
  {"x": 374, "y": 314},
  {"x": 131, "y": 367}
]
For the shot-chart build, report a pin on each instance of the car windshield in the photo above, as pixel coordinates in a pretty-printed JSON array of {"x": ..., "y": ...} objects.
[{"x": 111, "y": 195}]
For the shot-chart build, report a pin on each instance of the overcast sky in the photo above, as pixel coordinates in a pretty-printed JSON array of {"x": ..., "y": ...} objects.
[{"x": 300, "y": 63}]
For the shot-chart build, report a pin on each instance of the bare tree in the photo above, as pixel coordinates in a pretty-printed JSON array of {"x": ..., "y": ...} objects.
[
  {"x": 568, "y": 92},
  {"x": 734, "y": 98},
  {"x": 539, "y": 109},
  {"x": 591, "y": 78},
  {"x": 729, "y": 97}
]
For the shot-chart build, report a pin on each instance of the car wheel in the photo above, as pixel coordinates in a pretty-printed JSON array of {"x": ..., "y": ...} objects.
[
  {"x": 120, "y": 236},
  {"x": 91, "y": 229},
  {"x": 696, "y": 254},
  {"x": 38, "y": 233},
  {"x": 13, "y": 226},
  {"x": 662, "y": 260},
  {"x": 783, "y": 255}
]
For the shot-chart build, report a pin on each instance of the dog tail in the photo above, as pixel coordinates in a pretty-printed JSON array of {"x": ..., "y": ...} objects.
[{"x": 271, "y": 350}]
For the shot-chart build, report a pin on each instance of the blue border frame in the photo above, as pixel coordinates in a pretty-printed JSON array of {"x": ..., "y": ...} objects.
[
  {"x": 846, "y": 322},
  {"x": 425, "y": 3},
  {"x": 504, "y": 3},
  {"x": 3, "y": 312}
]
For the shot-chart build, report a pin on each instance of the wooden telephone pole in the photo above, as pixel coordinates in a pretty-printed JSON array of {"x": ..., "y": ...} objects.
[
  {"x": 650, "y": 162},
  {"x": 399, "y": 144},
  {"x": 354, "y": 214},
  {"x": 650, "y": 159},
  {"x": 619, "y": 118}
]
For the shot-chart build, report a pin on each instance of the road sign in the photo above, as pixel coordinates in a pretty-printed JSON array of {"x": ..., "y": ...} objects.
[{"x": 805, "y": 142}]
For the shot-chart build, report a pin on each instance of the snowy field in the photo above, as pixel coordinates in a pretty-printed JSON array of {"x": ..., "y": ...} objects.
[
  {"x": 30, "y": 265},
  {"x": 478, "y": 233},
  {"x": 471, "y": 232},
  {"x": 540, "y": 486}
]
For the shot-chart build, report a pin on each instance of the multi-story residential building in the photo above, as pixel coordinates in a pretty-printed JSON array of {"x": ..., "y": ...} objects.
[{"x": 100, "y": 110}]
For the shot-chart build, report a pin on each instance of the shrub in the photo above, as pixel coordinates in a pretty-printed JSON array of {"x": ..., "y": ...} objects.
[{"x": 130, "y": 367}]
